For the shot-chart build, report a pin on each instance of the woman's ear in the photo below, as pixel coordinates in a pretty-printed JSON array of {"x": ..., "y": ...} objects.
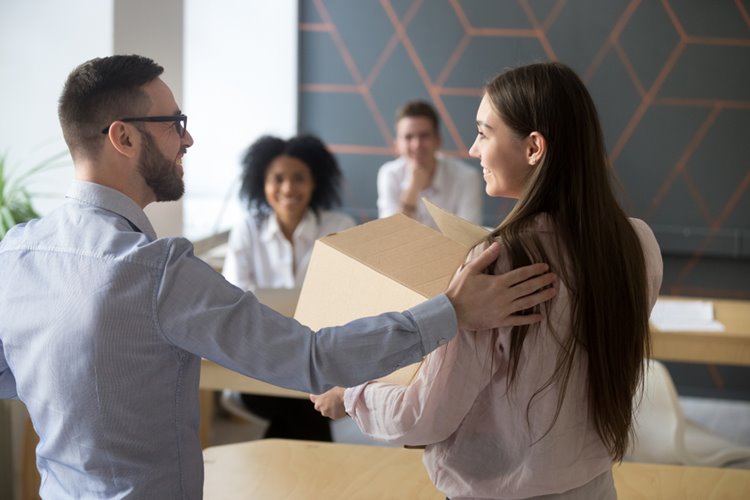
[
  {"x": 536, "y": 148},
  {"x": 123, "y": 139}
]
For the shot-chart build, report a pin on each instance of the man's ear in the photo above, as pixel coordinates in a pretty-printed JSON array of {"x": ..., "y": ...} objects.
[
  {"x": 124, "y": 139},
  {"x": 536, "y": 148}
]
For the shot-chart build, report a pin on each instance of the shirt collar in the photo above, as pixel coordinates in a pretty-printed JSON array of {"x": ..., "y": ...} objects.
[
  {"x": 306, "y": 229},
  {"x": 111, "y": 200}
]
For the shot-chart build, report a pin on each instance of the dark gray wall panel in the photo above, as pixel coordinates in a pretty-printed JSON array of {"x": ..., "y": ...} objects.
[
  {"x": 486, "y": 56},
  {"x": 325, "y": 64},
  {"x": 581, "y": 28},
  {"x": 542, "y": 8},
  {"x": 339, "y": 119},
  {"x": 648, "y": 39},
  {"x": 308, "y": 13},
  {"x": 396, "y": 83},
  {"x": 676, "y": 127},
  {"x": 710, "y": 72},
  {"x": 360, "y": 173},
  {"x": 615, "y": 103},
  {"x": 463, "y": 110},
  {"x": 435, "y": 32},
  {"x": 643, "y": 175},
  {"x": 364, "y": 28},
  {"x": 496, "y": 15},
  {"x": 715, "y": 18},
  {"x": 720, "y": 163}
]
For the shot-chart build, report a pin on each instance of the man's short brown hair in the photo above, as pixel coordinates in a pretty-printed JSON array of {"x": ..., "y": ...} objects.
[
  {"x": 100, "y": 91},
  {"x": 419, "y": 109}
]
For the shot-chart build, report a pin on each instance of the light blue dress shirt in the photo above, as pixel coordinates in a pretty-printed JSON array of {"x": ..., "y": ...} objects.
[{"x": 103, "y": 328}]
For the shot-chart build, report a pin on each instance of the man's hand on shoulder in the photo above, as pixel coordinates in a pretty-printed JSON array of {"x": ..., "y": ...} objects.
[{"x": 485, "y": 301}]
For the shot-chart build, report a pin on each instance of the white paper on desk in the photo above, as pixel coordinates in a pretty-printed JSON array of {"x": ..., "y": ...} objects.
[{"x": 685, "y": 315}]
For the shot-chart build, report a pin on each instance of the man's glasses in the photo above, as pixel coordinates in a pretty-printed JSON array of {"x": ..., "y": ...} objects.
[{"x": 180, "y": 122}]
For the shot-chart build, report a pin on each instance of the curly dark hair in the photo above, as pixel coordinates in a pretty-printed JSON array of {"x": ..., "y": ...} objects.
[{"x": 306, "y": 148}]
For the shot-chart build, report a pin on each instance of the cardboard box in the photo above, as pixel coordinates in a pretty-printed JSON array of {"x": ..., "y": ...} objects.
[{"x": 384, "y": 265}]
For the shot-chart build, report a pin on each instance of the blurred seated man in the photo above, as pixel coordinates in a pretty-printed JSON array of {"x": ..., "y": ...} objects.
[{"x": 421, "y": 171}]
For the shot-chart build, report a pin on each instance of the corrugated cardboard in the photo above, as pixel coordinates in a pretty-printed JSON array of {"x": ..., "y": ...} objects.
[
  {"x": 388, "y": 264},
  {"x": 454, "y": 227},
  {"x": 385, "y": 265}
]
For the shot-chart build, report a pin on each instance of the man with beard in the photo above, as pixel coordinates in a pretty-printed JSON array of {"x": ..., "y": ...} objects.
[{"x": 104, "y": 324}]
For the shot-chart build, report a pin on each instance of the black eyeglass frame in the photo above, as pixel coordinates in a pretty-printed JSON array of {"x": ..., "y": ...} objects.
[{"x": 181, "y": 128}]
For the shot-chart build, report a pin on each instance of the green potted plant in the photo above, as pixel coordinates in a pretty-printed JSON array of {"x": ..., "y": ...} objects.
[{"x": 15, "y": 197}]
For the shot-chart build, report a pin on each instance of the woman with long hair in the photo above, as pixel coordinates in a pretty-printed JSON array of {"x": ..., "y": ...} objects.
[{"x": 546, "y": 409}]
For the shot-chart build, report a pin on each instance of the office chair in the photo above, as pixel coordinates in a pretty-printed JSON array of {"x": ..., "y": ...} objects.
[{"x": 662, "y": 433}]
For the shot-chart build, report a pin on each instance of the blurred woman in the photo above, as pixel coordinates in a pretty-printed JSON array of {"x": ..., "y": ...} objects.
[{"x": 289, "y": 187}]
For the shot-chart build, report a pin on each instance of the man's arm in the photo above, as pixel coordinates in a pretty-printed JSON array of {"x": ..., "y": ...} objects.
[
  {"x": 486, "y": 301},
  {"x": 201, "y": 313}
]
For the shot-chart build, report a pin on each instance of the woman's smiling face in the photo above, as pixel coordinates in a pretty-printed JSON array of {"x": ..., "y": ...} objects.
[
  {"x": 503, "y": 155},
  {"x": 289, "y": 186}
]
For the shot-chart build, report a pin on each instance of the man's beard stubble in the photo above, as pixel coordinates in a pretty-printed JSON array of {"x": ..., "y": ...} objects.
[{"x": 159, "y": 172}]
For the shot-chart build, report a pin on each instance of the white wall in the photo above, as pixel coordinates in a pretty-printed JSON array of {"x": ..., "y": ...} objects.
[
  {"x": 240, "y": 83},
  {"x": 238, "y": 77},
  {"x": 155, "y": 29},
  {"x": 40, "y": 43}
]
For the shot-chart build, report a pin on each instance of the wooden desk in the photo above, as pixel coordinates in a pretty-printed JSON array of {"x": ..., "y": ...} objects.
[
  {"x": 731, "y": 346},
  {"x": 635, "y": 481},
  {"x": 216, "y": 378},
  {"x": 285, "y": 469}
]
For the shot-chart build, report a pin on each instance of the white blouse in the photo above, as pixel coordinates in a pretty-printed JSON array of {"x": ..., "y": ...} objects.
[{"x": 259, "y": 256}]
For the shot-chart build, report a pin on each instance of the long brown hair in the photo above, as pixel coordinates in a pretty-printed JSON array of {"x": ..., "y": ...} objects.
[{"x": 599, "y": 254}]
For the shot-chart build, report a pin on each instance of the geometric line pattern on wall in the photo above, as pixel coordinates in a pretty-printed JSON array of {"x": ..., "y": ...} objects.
[{"x": 664, "y": 59}]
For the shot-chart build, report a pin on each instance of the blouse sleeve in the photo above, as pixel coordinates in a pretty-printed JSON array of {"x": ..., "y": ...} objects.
[
  {"x": 238, "y": 263},
  {"x": 389, "y": 192},
  {"x": 429, "y": 409},
  {"x": 652, "y": 257}
]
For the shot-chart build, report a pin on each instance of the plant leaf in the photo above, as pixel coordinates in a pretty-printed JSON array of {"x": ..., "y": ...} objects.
[{"x": 15, "y": 199}]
